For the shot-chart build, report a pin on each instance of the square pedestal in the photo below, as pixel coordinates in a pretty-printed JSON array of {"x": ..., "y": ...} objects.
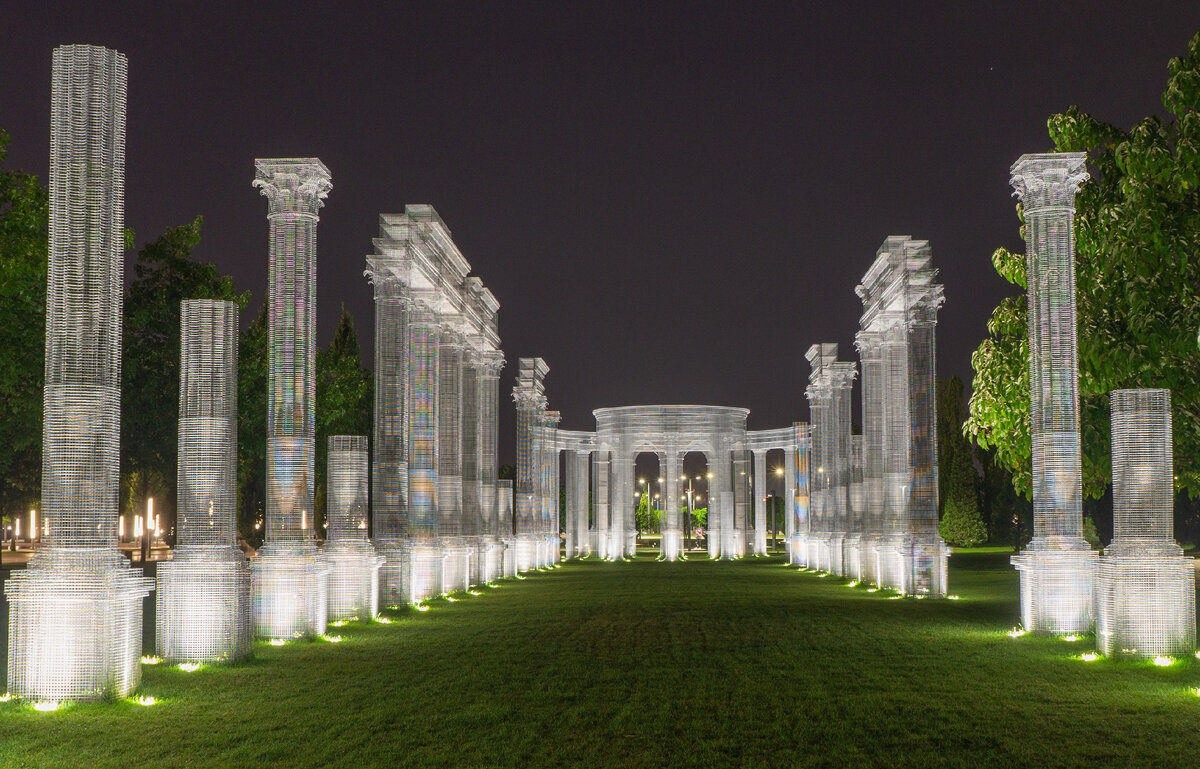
[
  {"x": 1147, "y": 606},
  {"x": 291, "y": 593},
  {"x": 203, "y": 606},
  {"x": 508, "y": 560},
  {"x": 75, "y": 626},
  {"x": 671, "y": 544},
  {"x": 422, "y": 572},
  {"x": 852, "y": 560},
  {"x": 353, "y": 580},
  {"x": 1057, "y": 588},
  {"x": 797, "y": 550},
  {"x": 456, "y": 568}
]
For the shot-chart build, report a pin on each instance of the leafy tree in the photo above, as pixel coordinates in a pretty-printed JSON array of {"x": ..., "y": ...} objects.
[
  {"x": 252, "y": 429},
  {"x": 344, "y": 399},
  {"x": 164, "y": 275},
  {"x": 24, "y": 242},
  {"x": 1137, "y": 287},
  {"x": 961, "y": 522}
]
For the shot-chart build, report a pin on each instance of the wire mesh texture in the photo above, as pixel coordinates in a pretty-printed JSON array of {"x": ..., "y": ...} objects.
[
  {"x": 1058, "y": 567},
  {"x": 289, "y": 577},
  {"x": 203, "y": 598},
  {"x": 1146, "y": 587},
  {"x": 75, "y": 614},
  {"x": 352, "y": 561}
]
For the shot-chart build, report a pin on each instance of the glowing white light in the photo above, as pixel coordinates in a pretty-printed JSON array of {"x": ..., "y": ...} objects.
[
  {"x": 1089, "y": 656},
  {"x": 5, "y": 697},
  {"x": 333, "y": 639},
  {"x": 383, "y": 620},
  {"x": 46, "y": 706},
  {"x": 146, "y": 701},
  {"x": 189, "y": 667},
  {"x": 1163, "y": 662},
  {"x": 278, "y": 642},
  {"x": 1016, "y": 632},
  {"x": 1070, "y": 637},
  {"x": 421, "y": 607},
  {"x": 151, "y": 660}
]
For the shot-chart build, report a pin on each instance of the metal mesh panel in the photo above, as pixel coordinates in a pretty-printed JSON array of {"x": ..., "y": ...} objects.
[
  {"x": 203, "y": 601},
  {"x": 1058, "y": 567},
  {"x": 75, "y": 621},
  {"x": 290, "y": 581},
  {"x": 1146, "y": 586},
  {"x": 352, "y": 560}
]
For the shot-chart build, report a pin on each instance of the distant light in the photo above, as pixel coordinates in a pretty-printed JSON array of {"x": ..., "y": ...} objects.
[
  {"x": 146, "y": 700},
  {"x": 1163, "y": 662},
  {"x": 1089, "y": 656},
  {"x": 5, "y": 697},
  {"x": 333, "y": 639},
  {"x": 46, "y": 707},
  {"x": 421, "y": 607},
  {"x": 383, "y": 620},
  {"x": 151, "y": 660},
  {"x": 277, "y": 642},
  {"x": 337, "y": 623},
  {"x": 952, "y": 597},
  {"x": 189, "y": 667},
  {"x": 1071, "y": 637},
  {"x": 872, "y": 589},
  {"x": 1016, "y": 632}
]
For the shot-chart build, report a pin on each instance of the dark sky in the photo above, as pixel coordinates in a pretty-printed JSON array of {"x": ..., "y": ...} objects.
[{"x": 670, "y": 202}]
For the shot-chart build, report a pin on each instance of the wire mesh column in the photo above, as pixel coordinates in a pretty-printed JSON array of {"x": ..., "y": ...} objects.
[
  {"x": 1146, "y": 587},
  {"x": 760, "y": 502},
  {"x": 1058, "y": 567},
  {"x": 871, "y": 365},
  {"x": 422, "y": 575},
  {"x": 352, "y": 560},
  {"x": 203, "y": 600},
  {"x": 75, "y": 622},
  {"x": 455, "y": 556},
  {"x": 530, "y": 398},
  {"x": 672, "y": 531},
  {"x": 491, "y": 364},
  {"x": 799, "y": 499}
]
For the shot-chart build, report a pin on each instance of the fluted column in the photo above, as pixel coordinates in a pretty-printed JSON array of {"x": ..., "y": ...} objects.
[
  {"x": 491, "y": 364},
  {"x": 353, "y": 563},
  {"x": 602, "y": 483},
  {"x": 529, "y": 395},
  {"x": 672, "y": 532},
  {"x": 873, "y": 384},
  {"x": 927, "y": 553},
  {"x": 842, "y": 381},
  {"x": 472, "y": 515},
  {"x": 551, "y": 489},
  {"x": 290, "y": 582},
  {"x": 797, "y": 498},
  {"x": 1058, "y": 567}
]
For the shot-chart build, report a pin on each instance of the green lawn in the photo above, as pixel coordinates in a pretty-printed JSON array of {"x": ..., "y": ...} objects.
[{"x": 653, "y": 664}]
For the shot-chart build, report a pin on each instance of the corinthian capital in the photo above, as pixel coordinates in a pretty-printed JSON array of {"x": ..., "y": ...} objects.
[
  {"x": 292, "y": 185},
  {"x": 1049, "y": 180}
]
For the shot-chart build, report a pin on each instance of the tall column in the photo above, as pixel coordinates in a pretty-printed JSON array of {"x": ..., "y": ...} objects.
[
  {"x": 290, "y": 581},
  {"x": 798, "y": 497},
  {"x": 570, "y": 519},
  {"x": 1146, "y": 587},
  {"x": 741, "y": 500},
  {"x": 760, "y": 502},
  {"x": 455, "y": 557},
  {"x": 623, "y": 524},
  {"x": 672, "y": 531},
  {"x": 76, "y": 612},
  {"x": 897, "y": 476},
  {"x": 1058, "y": 568},
  {"x": 926, "y": 554},
  {"x": 491, "y": 364},
  {"x": 602, "y": 470},
  {"x": 472, "y": 511},
  {"x": 389, "y": 460},
  {"x": 853, "y": 547},
  {"x": 842, "y": 381},
  {"x": 353, "y": 563},
  {"x": 823, "y": 454},
  {"x": 583, "y": 546},
  {"x": 422, "y": 575},
  {"x": 550, "y": 463},
  {"x": 530, "y": 398},
  {"x": 871, "y": 363},
  {"x": 204, "y": 590},
  {"x": 720, "y": 514}
]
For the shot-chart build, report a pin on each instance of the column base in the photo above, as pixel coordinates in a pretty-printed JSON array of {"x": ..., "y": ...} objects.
[
  {"x": 291, "y": 592},
  {"x": 526, "y": 553},
  {"x": 852, "y": 557},
  {"x": 868, "y": 556},
  {"x": 203, "y": 606},
  {"x": 354, "y": 569},
  {"x": 75, "y": 626},
  {"x": 456, "y": 566},
  {"x": 837, "y": 561},
  {"x": 671, "y": 544},
  {"x": 1058, "y": 585},
  {"x": 508, "y": 558},
  {"x": 797, "y": 550},
  {"x": 391, "y": 571},
  {"x": 422, "y": 572},
  {"x": 760, "y": 542},
  {"x": 1147, "y": 605}
]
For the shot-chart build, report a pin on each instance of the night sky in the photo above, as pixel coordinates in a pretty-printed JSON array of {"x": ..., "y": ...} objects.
[{"x": 670, "y": 203}]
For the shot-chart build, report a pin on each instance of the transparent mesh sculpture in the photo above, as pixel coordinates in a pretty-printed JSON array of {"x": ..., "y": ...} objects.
[
  {"x": 494, "y": 546},
  {"x": 504, "y": 515},
  {"x": 1146, "y": 587},
  {"x": 800, "y": 500},
  {"x": 352, "y": 561},
  {"x": 760, "y": 502},
  {"x": 1058, "y": 567},
  {"x": 901, "y": 548},
  {"x": 203, "y": 598},
  {"x": 529, "y": 394},
  {"x": 825, "y": 435},
  {"x": 290, "y": 579},
  {"x": 75, "y": 614},
  {"x": 853, "y": 546}
]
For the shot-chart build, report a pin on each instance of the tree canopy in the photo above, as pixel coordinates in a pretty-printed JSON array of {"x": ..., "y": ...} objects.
[{"x": 1137, "y": 233}]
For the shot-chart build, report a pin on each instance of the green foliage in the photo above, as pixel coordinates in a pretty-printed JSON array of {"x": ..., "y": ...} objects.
[
  {"x": 344, "y": 399},
  {"x": 24, "y": 242},
  {"x": 252, "y": 429},
  {"x": 164, "y": 275},
  {"x": 961, "y": 522},
  {"x": 1137, "y": 236}
]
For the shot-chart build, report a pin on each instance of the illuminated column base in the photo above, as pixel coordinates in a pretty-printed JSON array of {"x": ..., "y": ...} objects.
[
  {"x": 852, "y": 557},
  {"x": 75, "y": 626},
  {"x": 925, "y": 566},
  {"x": 616, "y": 545},
  {"x": 760, "y": 541},
  {"x": 508, "y": 561},
  {"x": 818, "y": 549},
  {"x": 291, "y": 592},
  {"x": 354, "y": 569},
  {"x": 525, "y": 553},
  {"x": 797, "y": 550},
  {"x": 594, "y": 542},
  {"x": 890, "y": 564},
  {"x": 837, "y": 562},
  {"x": 203, "y": 606},
  {"x": 456, "y": 566},
  {"x": 1147, "y": 606},
  {"x": 868, "y": 556},
  {"x": 1057, "y": 587},
  {"x": 631, "y": 543},
  {"x": 391, "y": 572},
  {"x": 422, "y": 572},
  {"x": 671, "y": 544},
  {"x": 490, "y": 555},
  {"x": 733, "y": 544}
]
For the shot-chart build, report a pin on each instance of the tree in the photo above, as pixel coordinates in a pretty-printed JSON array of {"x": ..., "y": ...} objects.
[
  {"x": 164, "y": 275},
  {"x": 252, "y": 429},
  {"x": 24, "y": 243},
  {"x": 1137, "y": 234},
  {"x": 344, "y": 399},
  {"x": 961, "y": 523}
]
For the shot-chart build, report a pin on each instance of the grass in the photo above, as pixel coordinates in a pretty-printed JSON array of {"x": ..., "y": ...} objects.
[{"x": 646, "y": 664}]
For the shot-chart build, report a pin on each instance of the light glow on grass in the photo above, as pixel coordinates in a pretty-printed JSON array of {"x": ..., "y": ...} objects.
[
  {"x": 494, "y": 585},
  {"x": 1089, "y": 656},
  {"x": 337, "y": 623},
  {"x": 151, "y": 660},
  {"x": 1016, "y": 632},
  {"x": 895, "y": 597},
  {"x": 474, "y": 592},
  {"x": 146, "y": 701},
  {"x": 333, "y": 639},
  {"x": 1070, "y": 638},
  {"x": 5, "y": 697},
  {"x": 277, "y": 642},
  {"x": 1163, "y": 662},
  {"x": 952, "y": 597},
  {"x": 189, "y": 667},
  {"x": 872, "y": 590},
  {"x": 451, "y": 599},
  {"x": 852, "y": 583},
  {"x": 46, "y": 707},
  {"x": 420, "y": 607},
  {"x": 383, "y": 620}
]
